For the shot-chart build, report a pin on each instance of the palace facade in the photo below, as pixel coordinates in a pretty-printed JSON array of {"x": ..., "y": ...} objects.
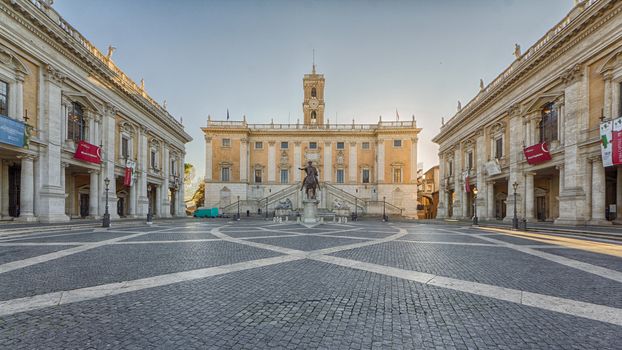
[
  {"x": 74, "y": 127},
  {"x": 366, "y": 166},
  {"x": 534, "y": 130}
]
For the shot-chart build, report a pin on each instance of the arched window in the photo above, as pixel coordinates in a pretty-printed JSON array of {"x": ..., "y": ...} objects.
[
  {"x": 313, "y": 92},
  {"x": 75, "y": 122},
  {"x": 313, "y": 117},
  {"x": 548, "y": 123}
]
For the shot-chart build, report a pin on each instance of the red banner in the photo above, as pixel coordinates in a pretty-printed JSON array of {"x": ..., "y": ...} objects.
[
  {"x": 467, "y": 185},
  {"x": 616, "y": 142},
  {"x": 537, "y": 154},
  {"x": 127, "y": 179},
  {"x": 88, "y": 153}
]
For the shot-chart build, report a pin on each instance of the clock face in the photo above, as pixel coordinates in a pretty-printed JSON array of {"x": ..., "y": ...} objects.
[{"x": 314, "y": 103}]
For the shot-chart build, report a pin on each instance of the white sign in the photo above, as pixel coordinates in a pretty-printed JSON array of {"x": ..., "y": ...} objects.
[
  {"x": 606, "y": 139},
  {"x": 493, "y": 167}
]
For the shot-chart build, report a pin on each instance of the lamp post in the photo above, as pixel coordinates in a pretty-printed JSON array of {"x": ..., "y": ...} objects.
[
  {"x": 238, "y": 217},
  {"x": 515, "y": 218},
  {"x": 475, "y": 206},
  {"x": 106, "y": 219},
  {"x": 384, "y": 213},
  {"x": 149, "y": 215}
]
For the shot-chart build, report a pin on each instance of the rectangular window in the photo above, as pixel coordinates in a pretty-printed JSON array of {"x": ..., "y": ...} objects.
[
  {"x": 339, "y": 176},
  {"x": 258, "y": 173},
  {"x": 365, "y": 176},
  {"x": 284, "y": 145},
  {"x": 397, "y": 143},
  {"x": 470, "y": 160},
  {"x": 397, "y": 175},
  {"x": 365, "y": 145},
  {"x": 499, "y": 148},
  {"x": 284, "y": 176},
  {"x": 173, "y": 170},
  {"x": 451, "y": 167},
  {"x": 258, "y": 145},
  {"x": 125, "y": 147},
  {"x": 76, "y": 124},
  {"x": 154, "y": 159},
  {"x": 226, "y": 142},
  {"x": 4, "y": 98},
  {"x": 224, "y": 174},
  {"x": 340, "y": 145},
  {"x": 313, "y": 145}
]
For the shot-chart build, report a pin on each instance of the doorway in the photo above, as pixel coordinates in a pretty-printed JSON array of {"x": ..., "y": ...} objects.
[
  {"x": 541, "y": 208},
  {"x": 14, "y": 189},
  {"x": 84, "y": 205}
]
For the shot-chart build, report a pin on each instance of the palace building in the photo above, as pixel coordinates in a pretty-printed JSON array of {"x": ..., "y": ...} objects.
[
  {"x": 531, "y": 137},
  {"x": 74, "y": 129},
  {"x": 361, "y": 165}
]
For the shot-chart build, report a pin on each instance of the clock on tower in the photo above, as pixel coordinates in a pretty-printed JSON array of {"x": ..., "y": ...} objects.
[{"x": 313, "y": 104}]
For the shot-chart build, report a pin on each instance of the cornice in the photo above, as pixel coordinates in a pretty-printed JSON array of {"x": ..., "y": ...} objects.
[{"x": 584, "y": 24}]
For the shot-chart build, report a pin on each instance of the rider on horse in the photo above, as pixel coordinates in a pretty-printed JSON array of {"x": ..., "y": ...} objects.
[{"x": 311, "y": 180}]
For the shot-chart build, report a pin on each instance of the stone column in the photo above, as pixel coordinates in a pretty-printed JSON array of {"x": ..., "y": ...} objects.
[
  {"x": 19, "y": 96},
  {"x": 243, "y": 160},
  {"x": 380, "y": 162},
  {"x": 94, "y": 194},
  {"x": 616, "y": 97},
  {"x": 131, "y": 210},
  {"x": 490, "y": 201},
  {"x": 328, "y": 161},
  {"x": 143, "y": 201},
  {"x": 529, "y": 197},
  {"x": 208, "y": 159},
  {"x": 109, "y": 130},
  {"x": 181, "y": 203},
  {"x": 27, "y": 190},
  {"x": 413, "y": 160},
  {"x": 166, "y": 172},
  {"x": 50, "y": 192},
  {"x": 480, "y": 159},
  {"x": 515, "y": 155},
  {"x": 297, "y": 176},
  {"x": 608, "y": 108},
  {"x": 441, "y": 211},
  {"x": 598, "y": 193},
  {"x": 458, "y": 185},
  {"x": 158, "y": 202},
  {"x": 618, "y": 195},
  {"x": 352, "y": 164},
  {"x": 572, "y": 201},
  {"x": 271, "y": 162},
  {"x": 3, "y": 189}
]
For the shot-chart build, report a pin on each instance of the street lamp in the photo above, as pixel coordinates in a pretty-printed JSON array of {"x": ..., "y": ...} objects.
[
  {"x": 384, "y": 213},
  {"x": 149, "y": 215},
  {"x": 238, "y": 217},
  {"x": 475, "y": 206},
  {"x": 515, "y": 218},
  {"x": 106, "y": 219}
]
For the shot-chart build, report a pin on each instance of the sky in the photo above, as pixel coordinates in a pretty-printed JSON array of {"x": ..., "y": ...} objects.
[{"x": 416, "y": 57}]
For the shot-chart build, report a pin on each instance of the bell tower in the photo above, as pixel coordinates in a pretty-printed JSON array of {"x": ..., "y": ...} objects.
[{"x": 313, "y": 104}]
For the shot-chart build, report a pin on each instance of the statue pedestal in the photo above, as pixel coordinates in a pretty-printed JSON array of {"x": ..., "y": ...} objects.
[{"x": 310, "y": 216}]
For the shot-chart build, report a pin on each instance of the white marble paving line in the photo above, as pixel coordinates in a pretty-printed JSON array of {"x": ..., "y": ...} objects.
[
  {"x": 262, "y": 237},
  {"x": 339, "y": 236},
  {"x": 450, "y": 243},
  {"x": 336, "y": 249},
  {"x": 14, "y": 265},
  {"x": 546, "y": 302},
  {"x": 34, "y": 244},
  {"x": 41, "y": 235},
  {"x": 579, "y": 265},
  {"x": 10, "y": 307},
  {"x": 198, "y": 240},
  {"x": 216, "y": 232}
]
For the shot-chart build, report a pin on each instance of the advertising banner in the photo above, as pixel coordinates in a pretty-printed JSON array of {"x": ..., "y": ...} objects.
[
  {"x": 467, "y": 185},
  {"x": 611, "y": 142},
  {"x": 129, "y": 177},
  {"x": 11, "y": 131},
  {"x": 537, "y": 154},
  {"x": 88, "y": 153}
]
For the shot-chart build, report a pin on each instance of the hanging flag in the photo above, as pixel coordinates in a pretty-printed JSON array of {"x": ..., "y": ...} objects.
[
  {"x": 606, "y": 147},
  {"x": 616, "y": 143},
  {"x": 397, "y": 115},
  {"x": 127, "y": 179},
  {"x": 467, "y": 185},
  {"x": 227, "y": 113}
]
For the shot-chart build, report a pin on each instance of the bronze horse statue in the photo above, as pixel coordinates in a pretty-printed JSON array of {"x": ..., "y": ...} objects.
[{"x": 311, "y": 182}]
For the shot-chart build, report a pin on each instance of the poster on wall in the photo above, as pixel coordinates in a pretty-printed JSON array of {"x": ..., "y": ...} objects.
[
  {"x": 493, "y": 167},
  {"x": 536, "y": 154},
  {"x": 11, "y": 131},
  {"x": 611, "y": 142}
]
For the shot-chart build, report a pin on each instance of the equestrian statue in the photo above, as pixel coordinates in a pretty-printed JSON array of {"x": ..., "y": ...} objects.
[{"x": 311, "y": 183}]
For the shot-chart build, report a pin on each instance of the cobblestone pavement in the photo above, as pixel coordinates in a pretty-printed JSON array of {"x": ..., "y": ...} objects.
[{"x": 255, "y": 284}]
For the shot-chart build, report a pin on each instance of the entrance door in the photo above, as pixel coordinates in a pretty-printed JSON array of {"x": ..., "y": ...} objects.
[
  {"x": 120, "y": 206},
  {"x": 84, "y": 205},
  {"x": 541, "y": 208},
  {"x": 14, "y": 188}
]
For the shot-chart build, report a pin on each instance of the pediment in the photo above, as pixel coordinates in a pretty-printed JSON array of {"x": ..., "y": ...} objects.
[
  {"x": 83, "y": 99},
  {"x": 540, "y": 100},
  {"x": 613, "y": 61},
  {"x": 10, "y": 59}
]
